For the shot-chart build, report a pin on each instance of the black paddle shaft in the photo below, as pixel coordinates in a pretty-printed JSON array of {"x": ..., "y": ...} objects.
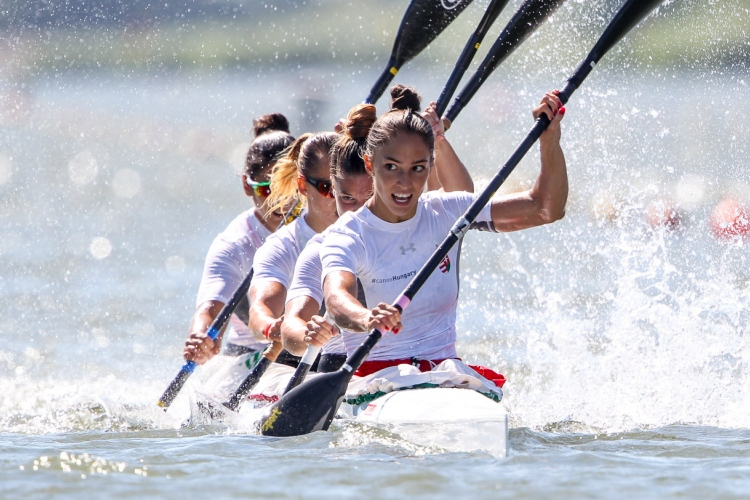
[
  {"x": 213, "y": 331},
  {"x": 524, "y": 22},
  {"x": 312, "y": 405},
  {"x": 423, "y": 21},
  {"x": 630, "y": 14},
  {"x": 234, "y": 401},
  {"x": 298, "y": 377},
  {"x": 470, "y": 49}
]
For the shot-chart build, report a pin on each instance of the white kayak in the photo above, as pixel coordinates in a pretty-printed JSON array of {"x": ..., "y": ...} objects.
[{"x": 450, "y": 418}]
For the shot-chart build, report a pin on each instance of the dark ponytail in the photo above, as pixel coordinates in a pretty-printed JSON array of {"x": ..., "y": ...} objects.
[
  {"x": 272, "y": 137},
  {"x": 403, "y": 98},
  {"x": 347, "y": 153},
  {"x": 403, "y": 117}
]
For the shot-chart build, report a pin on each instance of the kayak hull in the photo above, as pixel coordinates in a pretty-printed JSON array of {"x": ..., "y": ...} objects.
[{"x": 450, "y": 418}]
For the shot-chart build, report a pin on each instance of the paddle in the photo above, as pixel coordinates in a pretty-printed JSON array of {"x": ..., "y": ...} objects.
[
  {"x": 303, "y": 368},
  {"x": 213, "y": 331},
  {"x": 423, "y": 21},
  {"x": 312, "y": 405},
  {"x": 268, "y": 357},
  {"x": 524, "y": 22},
  {"x": 470, "y": 49}
]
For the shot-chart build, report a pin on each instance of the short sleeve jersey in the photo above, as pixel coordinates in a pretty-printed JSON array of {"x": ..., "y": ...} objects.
[
  {"x": 275, "y": 260},
  {"x": 228, "y": 262},
  {"x": 385, "y": 256},
  {"x": 307, "y": 283}
]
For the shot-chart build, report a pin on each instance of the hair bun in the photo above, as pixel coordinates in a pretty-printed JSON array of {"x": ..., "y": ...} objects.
[
  {"x": 403, "y": 97},
  {"x": 360, "y": 120},
  {"x": 274, "y": 122}
]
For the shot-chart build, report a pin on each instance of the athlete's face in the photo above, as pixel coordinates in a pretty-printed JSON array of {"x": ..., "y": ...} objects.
[
  {"x": 400, "y": 168},
  {"x": 351, "y": 192},
  {"x": 259, "y": 194},
  {"x": 321, "y": 208}
]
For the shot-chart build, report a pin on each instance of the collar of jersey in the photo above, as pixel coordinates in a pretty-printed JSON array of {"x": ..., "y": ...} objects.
[{"x": 392, "y": 227}]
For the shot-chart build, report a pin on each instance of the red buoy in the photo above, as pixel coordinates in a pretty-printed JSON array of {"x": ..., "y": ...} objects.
[{"x": 730, "y": 219}]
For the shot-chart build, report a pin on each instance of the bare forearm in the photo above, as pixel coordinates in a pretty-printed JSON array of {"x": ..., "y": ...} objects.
[
  {"x": 199, "y": 347},
  {"x": 298, "y": 313},
  {"x": 451, "y": 172},
  {"x": 260, "y": 317},
  {"x": 545, "y": 201},
  {"x": 550, "y": 191},
  {"x": 201, "y": 321},
  {"x": 340, "y": 289},
  {"x": 433, "y": 183},
  {"x": 266, "y": 307},
  {"x": 204, "y": 317},
  {"x": 348, "y": 313}
]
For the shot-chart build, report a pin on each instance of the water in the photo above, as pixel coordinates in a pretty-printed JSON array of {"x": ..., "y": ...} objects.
[
  {"x": 676, "y": 461},
  {"x": 625, "y": 345}
]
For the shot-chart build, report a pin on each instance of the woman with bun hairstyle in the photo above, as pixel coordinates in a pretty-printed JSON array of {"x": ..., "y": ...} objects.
[
  {"x": 303, "y": 172},
  {"x": 384, "y": 244},
  {"x": 231, "y": 254},
  {"x": 352, "y": 187}
]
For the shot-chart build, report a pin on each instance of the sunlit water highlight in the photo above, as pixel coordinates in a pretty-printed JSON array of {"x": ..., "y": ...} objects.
[{"x": 625, "y": 345}]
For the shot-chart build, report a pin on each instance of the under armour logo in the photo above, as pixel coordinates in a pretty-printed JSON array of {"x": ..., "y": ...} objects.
[{"x": 404, "y": 250}]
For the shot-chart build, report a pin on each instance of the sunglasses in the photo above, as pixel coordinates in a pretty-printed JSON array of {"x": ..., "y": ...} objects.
[
  {"x": 262, "y": 189},
  {"x": 323, "y": 186}
]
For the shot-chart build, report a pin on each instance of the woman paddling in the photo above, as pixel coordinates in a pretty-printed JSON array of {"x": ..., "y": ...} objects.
[
  {"x": 387, "y": 242},
  {"x": 230, "y": 256},
  {"x": 352, "y": 187},
  {"x": 303, "y": 172}
]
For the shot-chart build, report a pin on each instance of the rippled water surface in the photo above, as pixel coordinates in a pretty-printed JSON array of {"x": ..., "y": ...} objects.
[
  {"x": 625, "y": 342},
  {"x": 675, "y": 461}
]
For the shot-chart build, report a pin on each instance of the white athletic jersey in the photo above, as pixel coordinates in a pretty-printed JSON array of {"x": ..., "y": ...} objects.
[
  {"x": 228, "y": 262},
  {"x": 385, "y": 257},
  {"x": 275, "y": 260},
  {"x": 307, "y": 283}
]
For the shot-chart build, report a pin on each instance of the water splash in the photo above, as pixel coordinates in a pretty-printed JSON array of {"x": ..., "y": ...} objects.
[{"x": 654, "y": 336}]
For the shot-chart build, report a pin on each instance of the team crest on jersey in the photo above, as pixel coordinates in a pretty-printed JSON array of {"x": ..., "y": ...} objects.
[
  {"x": 445, "y": 265},
  {"x": 450, "y": 4}
]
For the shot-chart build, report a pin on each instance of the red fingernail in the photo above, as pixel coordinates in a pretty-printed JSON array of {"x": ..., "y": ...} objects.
[
  {"x": 395, "y": 331},
  {"x": 562, "y": 110}
]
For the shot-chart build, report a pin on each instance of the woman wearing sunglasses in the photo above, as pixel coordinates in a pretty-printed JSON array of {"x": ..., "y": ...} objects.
[
  {"x": 303, "y": 172},
  {"x": 352, "y": 187},
  {"x": 230, "y": 257}
]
